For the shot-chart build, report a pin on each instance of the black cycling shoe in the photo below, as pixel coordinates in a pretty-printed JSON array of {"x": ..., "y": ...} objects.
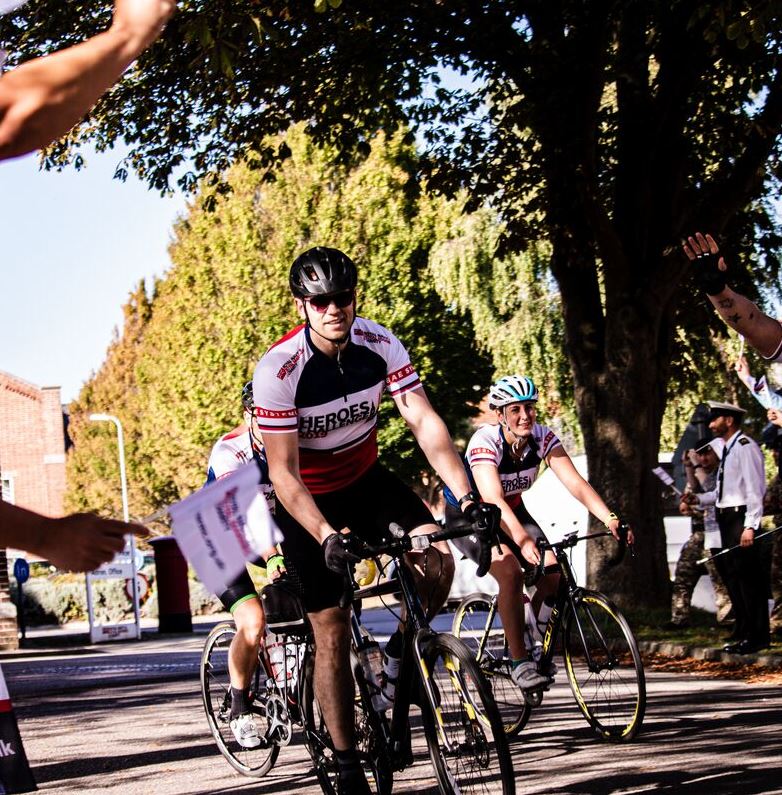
[{"x": 352, "y": 781}]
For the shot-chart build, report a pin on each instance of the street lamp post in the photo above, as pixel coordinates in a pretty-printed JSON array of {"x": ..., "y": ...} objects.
[{"x": 125, "y": 515}]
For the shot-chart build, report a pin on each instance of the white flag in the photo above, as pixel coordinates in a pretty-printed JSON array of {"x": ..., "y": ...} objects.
[{"x": 225, "y": 524}]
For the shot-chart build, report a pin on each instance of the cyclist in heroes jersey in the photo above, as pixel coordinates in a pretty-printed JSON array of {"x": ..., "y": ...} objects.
[
  {"x": 321, "y": 386},
  {"x": 232, "y": 451},
  {"x": 503, "y": 462}
]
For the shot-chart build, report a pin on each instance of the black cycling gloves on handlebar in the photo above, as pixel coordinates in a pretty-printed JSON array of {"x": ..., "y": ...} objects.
[
  {"x": 485, "y": 519},
  {"x": 336, "y": 550}
]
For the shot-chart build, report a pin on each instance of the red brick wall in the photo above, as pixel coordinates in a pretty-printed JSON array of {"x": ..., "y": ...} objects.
[
  {"x": 32, "y": 454},
  {"x": 32, "y": 444}
]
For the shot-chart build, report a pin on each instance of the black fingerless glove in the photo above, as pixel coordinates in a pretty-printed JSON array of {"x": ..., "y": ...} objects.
[
  {"x": 708, "y": 275},
  {"x": 485, "y": 518},
  {"x": 336, "y": 550}
]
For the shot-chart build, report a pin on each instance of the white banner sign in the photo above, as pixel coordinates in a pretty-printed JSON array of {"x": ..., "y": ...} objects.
[{"x": 224, "y": 525}]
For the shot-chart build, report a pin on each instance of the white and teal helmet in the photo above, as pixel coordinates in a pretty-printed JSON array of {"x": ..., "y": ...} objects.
[{"x": 512, "y": 389}]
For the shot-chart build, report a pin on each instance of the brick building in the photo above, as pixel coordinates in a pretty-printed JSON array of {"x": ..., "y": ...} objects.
[{"x": 32, "y": 465}]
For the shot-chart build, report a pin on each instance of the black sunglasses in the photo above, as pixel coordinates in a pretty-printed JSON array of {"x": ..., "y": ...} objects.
[{"x": 320, "y": 303}]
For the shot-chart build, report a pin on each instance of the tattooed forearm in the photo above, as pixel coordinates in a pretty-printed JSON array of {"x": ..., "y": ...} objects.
[{"x": 726, "y": 303}]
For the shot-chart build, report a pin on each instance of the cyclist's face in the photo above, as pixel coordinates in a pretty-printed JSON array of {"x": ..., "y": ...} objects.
[
  {"x": 331, "y": 319},
  {"x": 520, "y": 417}
]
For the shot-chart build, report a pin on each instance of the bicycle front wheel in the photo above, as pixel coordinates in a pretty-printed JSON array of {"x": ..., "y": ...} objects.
[
  {"x": 604, "y": 667},
  {"x": 216, "y": 695},
  {"x": 480, "y": 628},
  {"x": 464, "y": 732}
]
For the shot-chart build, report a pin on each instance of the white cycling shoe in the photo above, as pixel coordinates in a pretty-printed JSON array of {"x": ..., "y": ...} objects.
[
  {"x": 245, "y": 731},
  {"x": 526, "y": 676}
]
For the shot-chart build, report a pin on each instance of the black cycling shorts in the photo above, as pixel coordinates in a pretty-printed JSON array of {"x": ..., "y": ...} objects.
[
  {"x": 469, "y": 546},
  {"x": 367, "y": 507}
]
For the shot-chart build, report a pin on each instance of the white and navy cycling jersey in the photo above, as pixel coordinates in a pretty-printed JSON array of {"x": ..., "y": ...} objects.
[
  {"x": 234, "y": 450},
  {"x": 331, "y": 403},
  {"x": 488, "y": 446}
]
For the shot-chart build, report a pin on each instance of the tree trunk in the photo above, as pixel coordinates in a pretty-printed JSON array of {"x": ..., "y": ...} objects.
[{"x": 620, "y": 401}]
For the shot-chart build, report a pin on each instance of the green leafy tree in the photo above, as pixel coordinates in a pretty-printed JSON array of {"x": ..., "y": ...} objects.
[
  {"x": 604, "y": 130},
  {"x": 226, "y": 299}
]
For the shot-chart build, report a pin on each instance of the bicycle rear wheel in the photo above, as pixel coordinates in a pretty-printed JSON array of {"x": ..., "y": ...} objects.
[
  {"x": 604, "y": 667},
  {"x": 464, "y": 732},
  {"x": 367, "y": 733},
  {"x": 216, "y": 695},
  {"x": 486, "y": 641}
]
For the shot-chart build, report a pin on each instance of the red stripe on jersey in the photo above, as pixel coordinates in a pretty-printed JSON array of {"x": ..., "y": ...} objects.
[
  {"x": 323, "y": 472},
  {"x": 292, "y": 333},
  {"x": 482, "y": 451},
  {"x": 405, "y": 389},
  {"x": 400, "y": 374},
  {"x": 238, "y": 431},
  {"x": 271, "y": 414}
]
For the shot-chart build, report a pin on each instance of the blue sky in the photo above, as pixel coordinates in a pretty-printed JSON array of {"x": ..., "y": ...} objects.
[{"x": 73, "y": 245}]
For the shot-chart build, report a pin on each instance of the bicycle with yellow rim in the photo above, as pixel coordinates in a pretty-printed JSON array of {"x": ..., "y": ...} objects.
[{"x": 601, "y": 655}]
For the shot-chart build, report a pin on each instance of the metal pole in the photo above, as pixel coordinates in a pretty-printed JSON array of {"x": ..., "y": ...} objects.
[{"x": 125, "y": 514}]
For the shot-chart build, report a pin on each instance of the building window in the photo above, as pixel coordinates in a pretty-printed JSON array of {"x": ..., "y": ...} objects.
[{"x": 8, "y": 488}]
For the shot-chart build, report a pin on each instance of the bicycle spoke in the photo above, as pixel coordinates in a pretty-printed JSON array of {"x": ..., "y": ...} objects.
[{"x": 604, "y": 668}]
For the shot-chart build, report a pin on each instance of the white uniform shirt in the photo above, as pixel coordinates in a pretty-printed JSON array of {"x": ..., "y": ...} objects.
[
  {"x": 777, "y": 355},
  {"x": 743, "y": 479}
]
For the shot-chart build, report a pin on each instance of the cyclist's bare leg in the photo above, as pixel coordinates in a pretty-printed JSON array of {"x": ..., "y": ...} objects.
[
  {"x": 243, "y": 652},
  {"x": 545, "y": 586},
  {"x": 433, "y": 571},
  {"x": 333, "y": 677},
  {"x": 506, "y": 569}
]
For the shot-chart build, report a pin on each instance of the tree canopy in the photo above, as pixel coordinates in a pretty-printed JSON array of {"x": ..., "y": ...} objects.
[
  {"x": 175, "y": 374},
  {"x": 603, "y": 131}
]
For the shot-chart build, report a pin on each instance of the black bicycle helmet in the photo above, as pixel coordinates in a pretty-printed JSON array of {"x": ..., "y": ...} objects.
[
  {"x": 322, "y": 271},
  {"x": 247, "y": 396}
]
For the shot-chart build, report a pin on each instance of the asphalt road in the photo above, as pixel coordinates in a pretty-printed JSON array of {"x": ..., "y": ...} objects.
[{"x": 128, "y": 719}]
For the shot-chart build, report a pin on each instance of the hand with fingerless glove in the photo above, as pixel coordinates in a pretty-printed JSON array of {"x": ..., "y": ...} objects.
[
  {"x": 704, "y": 253},
  {"x": 336, "y": 550},
  {"x": 485, "y": 519}
]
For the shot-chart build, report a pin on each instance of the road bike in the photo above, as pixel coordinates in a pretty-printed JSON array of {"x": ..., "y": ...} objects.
[
  {"x": 601, "y": 656},
  {"x": 438, "y": 673},
  {"x": 463, "y": 729},
  {"x": 283, "y": 701}
]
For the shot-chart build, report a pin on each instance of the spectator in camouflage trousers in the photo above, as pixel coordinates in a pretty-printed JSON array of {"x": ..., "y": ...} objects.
[{"x": 700, "y": 466}]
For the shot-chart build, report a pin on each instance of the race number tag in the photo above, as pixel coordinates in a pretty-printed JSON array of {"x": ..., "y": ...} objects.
[{"x": 223, "y": 525}]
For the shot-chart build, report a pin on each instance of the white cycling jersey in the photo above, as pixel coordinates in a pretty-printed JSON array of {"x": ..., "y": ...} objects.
[
  {"x": 331, "y": 403},
  {"x": 234, "y": 450},
  {"x": 488, "y": 446}
]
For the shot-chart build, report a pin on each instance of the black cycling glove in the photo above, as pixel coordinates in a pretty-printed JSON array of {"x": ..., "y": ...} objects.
[
  {"x": 708, "y": 275},
  {"x": 336, "y": 550},
  {"x": 485, "y": 518}
]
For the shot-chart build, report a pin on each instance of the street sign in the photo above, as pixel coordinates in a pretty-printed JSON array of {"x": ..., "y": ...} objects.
[
  {"x": 142, "y": 583},
  {"x": 21, "y": 570}
]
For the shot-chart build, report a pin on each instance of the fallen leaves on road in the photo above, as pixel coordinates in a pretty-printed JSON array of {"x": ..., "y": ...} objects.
[{"x": 714, "y": 670}]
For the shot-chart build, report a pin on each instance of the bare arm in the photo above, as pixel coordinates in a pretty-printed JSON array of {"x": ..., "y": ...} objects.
[
  {"x": 433, "y": 438},
  {"x": 763, "y": 333},
  {"x": 80, "y": 542},
  {"x": 563, "y": 468},
  {"x": 282, "y": 453},
  {"x": 42, "y": 99}
]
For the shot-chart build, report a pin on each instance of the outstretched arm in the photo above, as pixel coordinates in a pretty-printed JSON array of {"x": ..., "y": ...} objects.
[
  {"x": 43, "y": 98},
  {"x": 563, "y": 468},
  {"x": 80, "y": 542},
  {"x": 763, "y": 333}
]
